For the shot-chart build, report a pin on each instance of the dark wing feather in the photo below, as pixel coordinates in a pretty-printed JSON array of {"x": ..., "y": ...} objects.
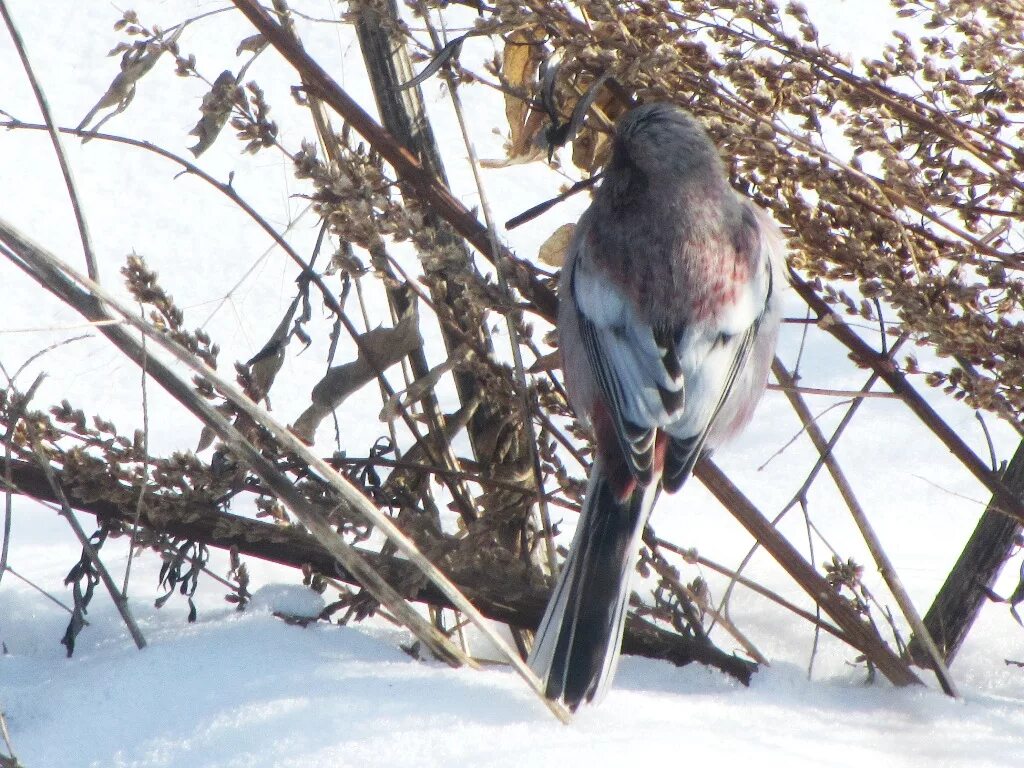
[
  {"x": 682, "y": 453},
  {"x": 637, "y": 442}
]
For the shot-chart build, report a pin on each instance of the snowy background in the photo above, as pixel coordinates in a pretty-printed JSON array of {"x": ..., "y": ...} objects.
[{"x": 247, "y": 690}]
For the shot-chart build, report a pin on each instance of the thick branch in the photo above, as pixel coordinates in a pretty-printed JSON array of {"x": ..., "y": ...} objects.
[
  {"x": 496, "y": 595},
  {"x": 957, "y": 604}
]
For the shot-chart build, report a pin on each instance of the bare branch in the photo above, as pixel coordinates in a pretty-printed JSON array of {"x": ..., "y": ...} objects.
[{"x": 58, "y": 146}]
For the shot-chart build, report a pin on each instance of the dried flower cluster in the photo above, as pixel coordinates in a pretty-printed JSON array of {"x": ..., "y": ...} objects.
[{"x": 901, "y": 176}]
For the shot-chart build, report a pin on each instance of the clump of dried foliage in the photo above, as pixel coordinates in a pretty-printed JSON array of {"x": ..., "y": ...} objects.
[{"x": 897, "y": 180}]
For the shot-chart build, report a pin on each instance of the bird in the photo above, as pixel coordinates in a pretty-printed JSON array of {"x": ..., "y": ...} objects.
[{"x": 669, "y": 308}]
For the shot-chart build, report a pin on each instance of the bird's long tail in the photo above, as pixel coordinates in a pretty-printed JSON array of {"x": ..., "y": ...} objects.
[{"x": 577, "y": 645}]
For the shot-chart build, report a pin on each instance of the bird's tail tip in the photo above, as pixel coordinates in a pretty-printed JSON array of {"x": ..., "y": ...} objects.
[{"x": 576, "y": 649}]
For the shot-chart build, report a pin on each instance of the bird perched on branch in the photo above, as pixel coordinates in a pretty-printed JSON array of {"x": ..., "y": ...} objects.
[{"x": 668, "y": 315}]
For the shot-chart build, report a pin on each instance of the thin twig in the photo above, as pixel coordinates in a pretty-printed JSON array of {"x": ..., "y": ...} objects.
[
  {"x": 988, "y": 441},
  {"x": 691, "y": 556},
  {"x": 144, "y": 479},
  {"x": 492, "y": 482},
  {"x": 7, "y": 739},
  {"x": 817, "y": 606},
  {"x": 58, "y": 146},
  {"x": 532, "y": 213},
  {"x": 874, "y": 544},
  {"x": 665, "y": 571},
  {"x": 827, "y": 392},
  {"x": 37, "y": 588},
  {"x": 119, "y": 599},
  {"x": 17, "y": 406}
]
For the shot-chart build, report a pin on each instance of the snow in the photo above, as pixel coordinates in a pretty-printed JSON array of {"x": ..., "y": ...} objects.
[
  {"x": 289, "y": 599},
  {"x": 247, "y": 689}
]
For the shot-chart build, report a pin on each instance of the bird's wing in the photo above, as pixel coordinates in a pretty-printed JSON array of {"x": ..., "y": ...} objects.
[
  {"x": 714, "y": 377},
  {"x": 675, "y": 377},
  {"x": 638, "y": 376}
]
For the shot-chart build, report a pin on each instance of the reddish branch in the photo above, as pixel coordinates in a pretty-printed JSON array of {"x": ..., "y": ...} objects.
[
  {"x": 429, "y": 190},
  {"x": 858, "y": 633}
]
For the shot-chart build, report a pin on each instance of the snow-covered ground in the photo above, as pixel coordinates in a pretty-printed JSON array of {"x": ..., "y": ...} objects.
[{"x": 245, "y": 689}]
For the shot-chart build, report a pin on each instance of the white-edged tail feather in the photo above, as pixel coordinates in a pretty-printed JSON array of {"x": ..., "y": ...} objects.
[{"x": 577, "y": 646}]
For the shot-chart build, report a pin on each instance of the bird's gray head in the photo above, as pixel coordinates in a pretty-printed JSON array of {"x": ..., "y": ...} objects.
[{"x": 661, "y": 138}]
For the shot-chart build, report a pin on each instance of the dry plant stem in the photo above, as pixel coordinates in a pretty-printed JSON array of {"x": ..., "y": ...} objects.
[
  {"x": 8, "y": 501},
  {"x": 886, "y": 369},
  {"x": 693, "y": 557},
  {"x": 485, "y": 482},
  {"x": 848, "y": 393},
  {"x": 510, "y": 323},
  {"x": 47, "y": 269},
  {"x": 144, "y": 479},
  {"x": 857, "y": 633},
  {"x": 58, "y": 147},
  {"x": 14, "y": 418},
  {"x": 7, "y": 738},
  {"x": 37, "y": 588},
  {"x": 809, "y": 528},
  {"x": 431, "y": 192},
  {"x": 119, "y": 599},
  {"x": 498, "y": 595},
  {"x": 874, "y": 544}
]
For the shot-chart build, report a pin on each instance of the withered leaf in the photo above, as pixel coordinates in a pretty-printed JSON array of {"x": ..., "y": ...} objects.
[
  {"x": 138, "y": 59},
  {"x": 591, "y": 148},
  {"x": 554, "y": 249},
  {"x": 446, "y": 54},
  {"x": 559, "y": 135},
  {"x": 379, "y": 349},
  {"x": 423, "y": 385},
  {"x": 552, "y": 361},
  {"x": 207, "y": 435},
  {"x": 216, "y": 109},
  {"x": 521, "y": 58},
  {"x": 253, "y": 43},
  {"x": 265, "y": 364}
]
